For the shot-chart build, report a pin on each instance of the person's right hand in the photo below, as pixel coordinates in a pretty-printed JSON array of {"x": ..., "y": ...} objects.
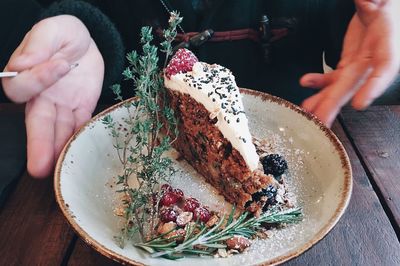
[
  {"x": 59, "y": 98},
  {"x": 369, "y": 63}
]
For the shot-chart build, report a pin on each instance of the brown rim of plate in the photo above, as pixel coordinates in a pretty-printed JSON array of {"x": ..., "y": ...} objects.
[{"x": 347, "y": 188}]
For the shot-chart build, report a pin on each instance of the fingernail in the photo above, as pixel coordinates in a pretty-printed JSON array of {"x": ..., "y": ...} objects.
[
  {"x": 74, "y": 65},
  {"x": 361, "y": 105},
  {"x": 310, "y": 83}
]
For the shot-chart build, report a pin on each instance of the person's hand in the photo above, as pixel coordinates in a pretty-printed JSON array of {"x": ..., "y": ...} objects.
[
  {"x": 369, "y": 62},
  {"x": 59, "y": 98}
]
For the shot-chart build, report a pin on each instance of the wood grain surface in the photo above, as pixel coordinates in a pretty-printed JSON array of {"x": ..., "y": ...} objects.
[
  {"x": 86, "y": 256},
  {"x": 376, "y": 136},
  {"x": 34, "y": 232},
  {"x": 364, "y": 235}
]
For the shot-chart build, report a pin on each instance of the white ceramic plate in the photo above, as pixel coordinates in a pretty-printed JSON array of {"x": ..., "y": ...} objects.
[{"x": 320, "y": 181}]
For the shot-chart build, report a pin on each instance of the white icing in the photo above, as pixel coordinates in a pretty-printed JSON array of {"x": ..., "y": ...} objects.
[{"x": 214, "y": 86}]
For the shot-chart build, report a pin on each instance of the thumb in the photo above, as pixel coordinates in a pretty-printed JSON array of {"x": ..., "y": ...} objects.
[{"x": 29, "y": 83}]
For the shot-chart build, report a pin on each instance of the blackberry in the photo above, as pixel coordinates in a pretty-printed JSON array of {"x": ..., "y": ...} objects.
[
  {"x": 270, "y": 192},
  {"x": 257, "y": 196},
  {"x": 274, "y": 164},
  {"x": 248, "y": 204}
]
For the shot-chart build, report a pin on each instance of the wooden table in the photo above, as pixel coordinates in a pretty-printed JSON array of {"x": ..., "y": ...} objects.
[{"x": 34, "y": 232}]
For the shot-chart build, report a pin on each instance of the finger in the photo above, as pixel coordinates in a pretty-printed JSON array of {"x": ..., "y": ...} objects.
[
  {"x": 30, "y": 83},
  {"x": 16, "y": 53},
  {"x": 352, "y": 42},
  {"x": 39, "y": 46},
  {"x": 64, "y": 127},
  {"x": 40, "y": 120},
  {"x": 81, "y": 115},
  {"x": 340, "y": 92},
  {"x": 327, "y": 109},
  {"x": 315, "y": 80},
  {"x": 377, "y": 82},
  {"x": 312, "y": 102}
]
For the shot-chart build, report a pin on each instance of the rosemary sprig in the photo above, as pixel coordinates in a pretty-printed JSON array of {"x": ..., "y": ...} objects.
[{"x": 213, "y": 238}]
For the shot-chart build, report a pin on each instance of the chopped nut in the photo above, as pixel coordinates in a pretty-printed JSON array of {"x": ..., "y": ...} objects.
[
  {"x": 239, "y": 243},
  {"x": 119, "y": 211},
  {"x": 232, "y": 251},
  {"x": 125, "y": 198},
  {"x": 177, "y": 209},
  {"x": 184, "y": 218},
  {"x": 213, "y": 220},
  {"x": 177, "y": 235},
  {"x": 263, "y": 234},
  {"x": 222, "y": 253},
  {"x": 165, "y": 228}
]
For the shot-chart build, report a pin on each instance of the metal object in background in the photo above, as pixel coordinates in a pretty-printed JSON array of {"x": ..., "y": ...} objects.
[
  {"x": 265, "y": 36},
  {"x": 195, "y": 41}
]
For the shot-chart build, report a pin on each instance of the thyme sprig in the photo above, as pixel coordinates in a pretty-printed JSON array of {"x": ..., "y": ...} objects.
[
  {"x": 211, "y": 239},
  {"x": 138, "y": 140}
]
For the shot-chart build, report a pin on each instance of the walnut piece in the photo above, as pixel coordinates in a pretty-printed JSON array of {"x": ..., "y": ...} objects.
[
  {"x": 184, "y": 218},
  {"x": 239, "y": 243}
]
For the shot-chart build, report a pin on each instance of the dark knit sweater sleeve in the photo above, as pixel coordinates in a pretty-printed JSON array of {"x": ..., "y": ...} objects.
[{"x": 103, "y": 32}]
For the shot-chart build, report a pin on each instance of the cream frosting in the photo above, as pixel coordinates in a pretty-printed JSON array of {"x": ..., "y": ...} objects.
[{"x": 215, "y": 87}]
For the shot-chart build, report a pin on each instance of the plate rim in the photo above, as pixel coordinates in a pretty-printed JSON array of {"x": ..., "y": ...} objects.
[{"x": 345, "y": 198}]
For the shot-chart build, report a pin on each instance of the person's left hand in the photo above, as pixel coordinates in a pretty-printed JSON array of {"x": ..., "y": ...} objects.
[
  {"x": 369, "y": 62},
  {"x": 59, "y": 100}
]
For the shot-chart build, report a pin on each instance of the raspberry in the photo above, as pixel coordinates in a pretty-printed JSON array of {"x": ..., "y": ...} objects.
[
  {"x": 190, "y": 204},
  {"x": 166, "y": 188},
  {"x": 178, "y": 192},
  {"x": 274, "y": 164},
  {"x": 201, "y": 214},
  {"x": 169, "y": 198},
  {"x": 181, "y": 62},
  {"x": 168, "y": 215}
]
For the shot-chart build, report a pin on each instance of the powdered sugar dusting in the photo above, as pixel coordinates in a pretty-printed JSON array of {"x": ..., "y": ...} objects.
[{"x": 314, "y": 179}]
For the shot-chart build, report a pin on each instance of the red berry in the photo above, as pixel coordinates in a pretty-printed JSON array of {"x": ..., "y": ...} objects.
[
  {"x": 181, "y": 62},
  {"x": 169, "y": 198},
  {"x": 168, "y": 215},
  {"x": 178, "y": 192},
  {"x": 166, "y": 188},
  {"x": 191, "y": 204},
  {"x": 201, "y": 214}
]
